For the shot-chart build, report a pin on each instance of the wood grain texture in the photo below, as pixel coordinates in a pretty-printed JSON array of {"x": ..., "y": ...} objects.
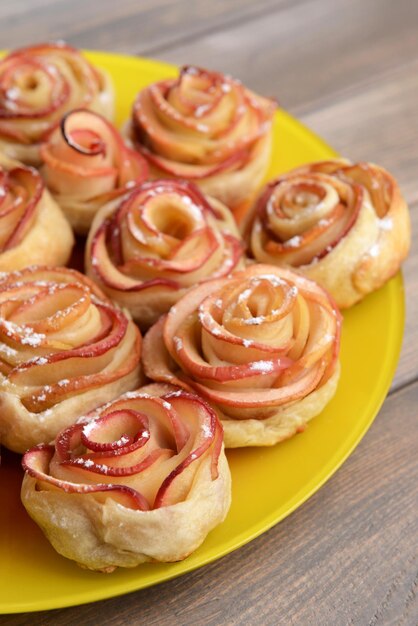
[
  {"x": 380, "y": 123},
  {"x": 123, "y": 26},
  {"x": 345, "y": 557},
  {"x": 350, "y": 71},
  {"x": 306, "y": 52}
]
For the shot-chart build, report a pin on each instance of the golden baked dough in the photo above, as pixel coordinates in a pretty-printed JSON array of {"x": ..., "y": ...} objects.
[
  {"x": 344, "y": 225},
  {"x": 143, "y": 478},
  {"x": 33, "y": 228},
  {"x": 146, "y": 251},
  {"x": 64, "y": 350},
  {"x": 208, "y": 128},
  {"x": 261, "y": 346},
  {"x": 86, "y": 165},
  {"x": 38, "y": 84}
]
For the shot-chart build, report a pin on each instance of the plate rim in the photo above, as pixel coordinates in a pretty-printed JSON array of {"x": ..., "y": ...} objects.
[{"x": 332, "y": 465}]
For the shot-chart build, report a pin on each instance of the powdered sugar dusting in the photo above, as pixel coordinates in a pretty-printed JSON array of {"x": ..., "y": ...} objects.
[
  {"x": 174, "y": 394},
  {"x": 294, "y": 242},
  {"x": 244, "y": 295},
  {"x": 254, "y": 321},
  {"x": 7, "y": 350},
  {"x": 323, "y": 222},
  {"x": 38, "y": 360},
  {"x": 178, "y": 343},
  {"x": 122, "y": 441},
  {"x": 129, "y": 395},
  {"x": 207, "y": 432},
  {"x": 84, "y": 462},
  {"x": 262, "y": 366},
  {"x": 44, "y": 415},
  {"x": 192, "y": 207},
  {"x": 201, "y": 110},
  {"x": 276, "y": 281},
  {"x": 27, "y": 334},
  {"x": 87, "y": 429},
  {"x": 386, "y": 223}
]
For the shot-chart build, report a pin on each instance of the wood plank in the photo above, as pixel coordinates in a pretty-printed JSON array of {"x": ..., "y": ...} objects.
[
  {"x": 310, "y": 51},
  {"x": 123, "y": 26},
  {"x": 345, "y": 557},
  {"x": 380, "y": 124}
]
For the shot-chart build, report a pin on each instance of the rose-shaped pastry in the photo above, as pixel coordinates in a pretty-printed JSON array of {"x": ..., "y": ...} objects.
[
  {"x": 64, "y": 350},
  {"x": 144, "y": 478},
  {"x": 86, "y": 164},
  {"x": 344, "y": 225},
  {"x": 261, "y": 346},
  {"x": 33, "y": 228},
  {"x": 161, "y": 240},
  {"x": 205, "y": 127},
  {"x": 38, "y": 84}
]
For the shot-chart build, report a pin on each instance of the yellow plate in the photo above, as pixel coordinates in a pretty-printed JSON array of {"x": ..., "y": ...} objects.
[{"x": 268, "y": 484}]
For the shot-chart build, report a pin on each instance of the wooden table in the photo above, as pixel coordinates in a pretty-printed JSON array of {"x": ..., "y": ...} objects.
[{"x": 349, "y": 70}]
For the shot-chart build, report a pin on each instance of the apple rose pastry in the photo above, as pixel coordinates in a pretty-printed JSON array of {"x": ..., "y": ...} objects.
[
  {"x": 261, "y": 346},
  {"x": 64, "y": 349},
  {"x": 143, "y": 478},
  {"x": 344, "y": 225},
  {"x": 29, "y": 220},
  {"x": 86, "y": 164},
  {"x": 206, "y": 127},
  {"x": 38, "y": 84},
  {"x": 161, "y": 240}
]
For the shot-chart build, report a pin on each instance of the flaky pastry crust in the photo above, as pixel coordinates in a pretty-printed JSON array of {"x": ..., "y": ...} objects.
[
  {"x": 260, "y": 346},
  {"x": 64, "y": 349},
  {"x": 154, "y": 496},
  {"x": 38, "y": 85},
  {"x": 86, "y": 165},
  {"x": 163, "y": 238},
  {"x": 206, "y": 127},
  {"x": 344, "y": 225},
  {"x": 33, "y": 229}
]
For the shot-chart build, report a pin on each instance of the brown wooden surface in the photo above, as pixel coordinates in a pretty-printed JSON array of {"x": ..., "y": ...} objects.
[{"x": 349, "y": 70}]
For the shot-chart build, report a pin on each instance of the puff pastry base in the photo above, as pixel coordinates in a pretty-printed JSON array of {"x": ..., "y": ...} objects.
[
  {"x": 48, "y": 242},
  {"x": 288, "y": 421},
  {"x": 103, "y": 536}
]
